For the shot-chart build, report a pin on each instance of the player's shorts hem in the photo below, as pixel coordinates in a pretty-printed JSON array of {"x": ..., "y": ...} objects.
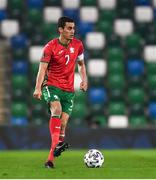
[{"x": 44, "y": 62}]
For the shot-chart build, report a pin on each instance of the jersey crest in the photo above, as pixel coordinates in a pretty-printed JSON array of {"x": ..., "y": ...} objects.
[{"x": 72, "y": 50}]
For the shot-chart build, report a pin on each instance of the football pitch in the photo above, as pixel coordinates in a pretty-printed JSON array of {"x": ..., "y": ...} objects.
[{"x": 118, "y": 164}]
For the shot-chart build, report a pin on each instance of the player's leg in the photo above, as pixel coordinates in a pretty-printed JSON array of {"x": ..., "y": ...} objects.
[
  {"x": 62, "y": 145},
  {"x": 67, "y": 100},
  {"x": 51, "y": 96},
  {"x": 54, "y": 126},
  {"x": 64, "y": 121}
]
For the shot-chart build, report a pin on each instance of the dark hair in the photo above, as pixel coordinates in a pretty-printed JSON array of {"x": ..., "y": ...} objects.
[{"x": 62, "y": 21}]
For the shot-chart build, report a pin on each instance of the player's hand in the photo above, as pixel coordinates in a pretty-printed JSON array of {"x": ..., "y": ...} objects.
[
  {"x": 84, "y": 85},
  {"x": 37, "y": 94}
]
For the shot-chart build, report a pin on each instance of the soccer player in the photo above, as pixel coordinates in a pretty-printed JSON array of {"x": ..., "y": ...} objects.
[{"x": 55, "y": 81}]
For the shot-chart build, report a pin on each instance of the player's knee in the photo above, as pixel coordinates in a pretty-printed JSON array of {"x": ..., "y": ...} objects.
[{"x": 56, "y": 111}]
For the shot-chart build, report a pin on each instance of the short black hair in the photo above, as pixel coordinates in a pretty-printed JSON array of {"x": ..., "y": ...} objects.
[{"x": 62, "y": 21}]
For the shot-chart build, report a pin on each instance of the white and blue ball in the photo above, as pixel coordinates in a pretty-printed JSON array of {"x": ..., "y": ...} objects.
[{"x": 93, "y": 158}]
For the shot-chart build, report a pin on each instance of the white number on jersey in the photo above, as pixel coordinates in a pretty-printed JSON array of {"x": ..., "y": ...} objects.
[{"x": 67, "y": 59}]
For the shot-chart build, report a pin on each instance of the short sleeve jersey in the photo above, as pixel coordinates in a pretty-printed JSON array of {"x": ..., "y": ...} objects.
[{"x": 61, "y": 63}]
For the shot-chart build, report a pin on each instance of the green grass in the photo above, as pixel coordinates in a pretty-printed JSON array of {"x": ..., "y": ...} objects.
[{"x": 118, "y": 164}]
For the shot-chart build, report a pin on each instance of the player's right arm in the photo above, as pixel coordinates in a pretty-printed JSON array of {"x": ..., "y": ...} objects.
[
  {"x": 39, "y": 80},
  {"x": 47, "y": 53}
]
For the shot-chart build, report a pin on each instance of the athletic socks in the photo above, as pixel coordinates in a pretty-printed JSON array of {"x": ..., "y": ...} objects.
[
  {"x": 54, "y": 126},
  {"x": 61, "y": 137}
]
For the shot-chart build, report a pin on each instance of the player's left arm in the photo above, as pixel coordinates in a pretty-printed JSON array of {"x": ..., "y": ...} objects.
[{"x": 83, "y": 75}]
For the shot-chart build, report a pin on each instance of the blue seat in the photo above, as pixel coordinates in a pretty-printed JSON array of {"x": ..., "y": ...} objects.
[
  {"x": 85, "y": 27},
  {"x": 37, "y": 4},
  {"x": 135, "y": 67},
  {"x": 97, "y": 95},
  {"x": 21, "y": 121},
  {"x": 3, "y": 15},
  {"x": 20, "y": 67},
  {"x": 142, "y": 2},
  {"x": 19, "y": 41},
  {"x": 154, "y": 13},
  {"x": 21, "y": 59},
  {"x": 72, "y": 13},
  {"x": 152, "y": 110}
]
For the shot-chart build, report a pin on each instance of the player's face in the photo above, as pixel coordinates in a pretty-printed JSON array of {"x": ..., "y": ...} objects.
[{"x": 68, "y": 31}]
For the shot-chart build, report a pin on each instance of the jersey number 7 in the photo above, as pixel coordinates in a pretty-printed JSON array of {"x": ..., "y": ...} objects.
[{"x": 67, "y": 59}]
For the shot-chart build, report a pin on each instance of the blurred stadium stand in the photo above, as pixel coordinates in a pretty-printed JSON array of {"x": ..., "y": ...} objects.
[{"x": 120, "y": 49}]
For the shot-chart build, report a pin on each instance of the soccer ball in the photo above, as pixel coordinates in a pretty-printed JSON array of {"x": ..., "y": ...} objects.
[{"x": 93, "y": 158}]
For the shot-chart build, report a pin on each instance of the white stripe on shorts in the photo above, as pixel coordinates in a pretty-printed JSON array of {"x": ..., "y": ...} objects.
[{"x": 48, "y": 91}]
